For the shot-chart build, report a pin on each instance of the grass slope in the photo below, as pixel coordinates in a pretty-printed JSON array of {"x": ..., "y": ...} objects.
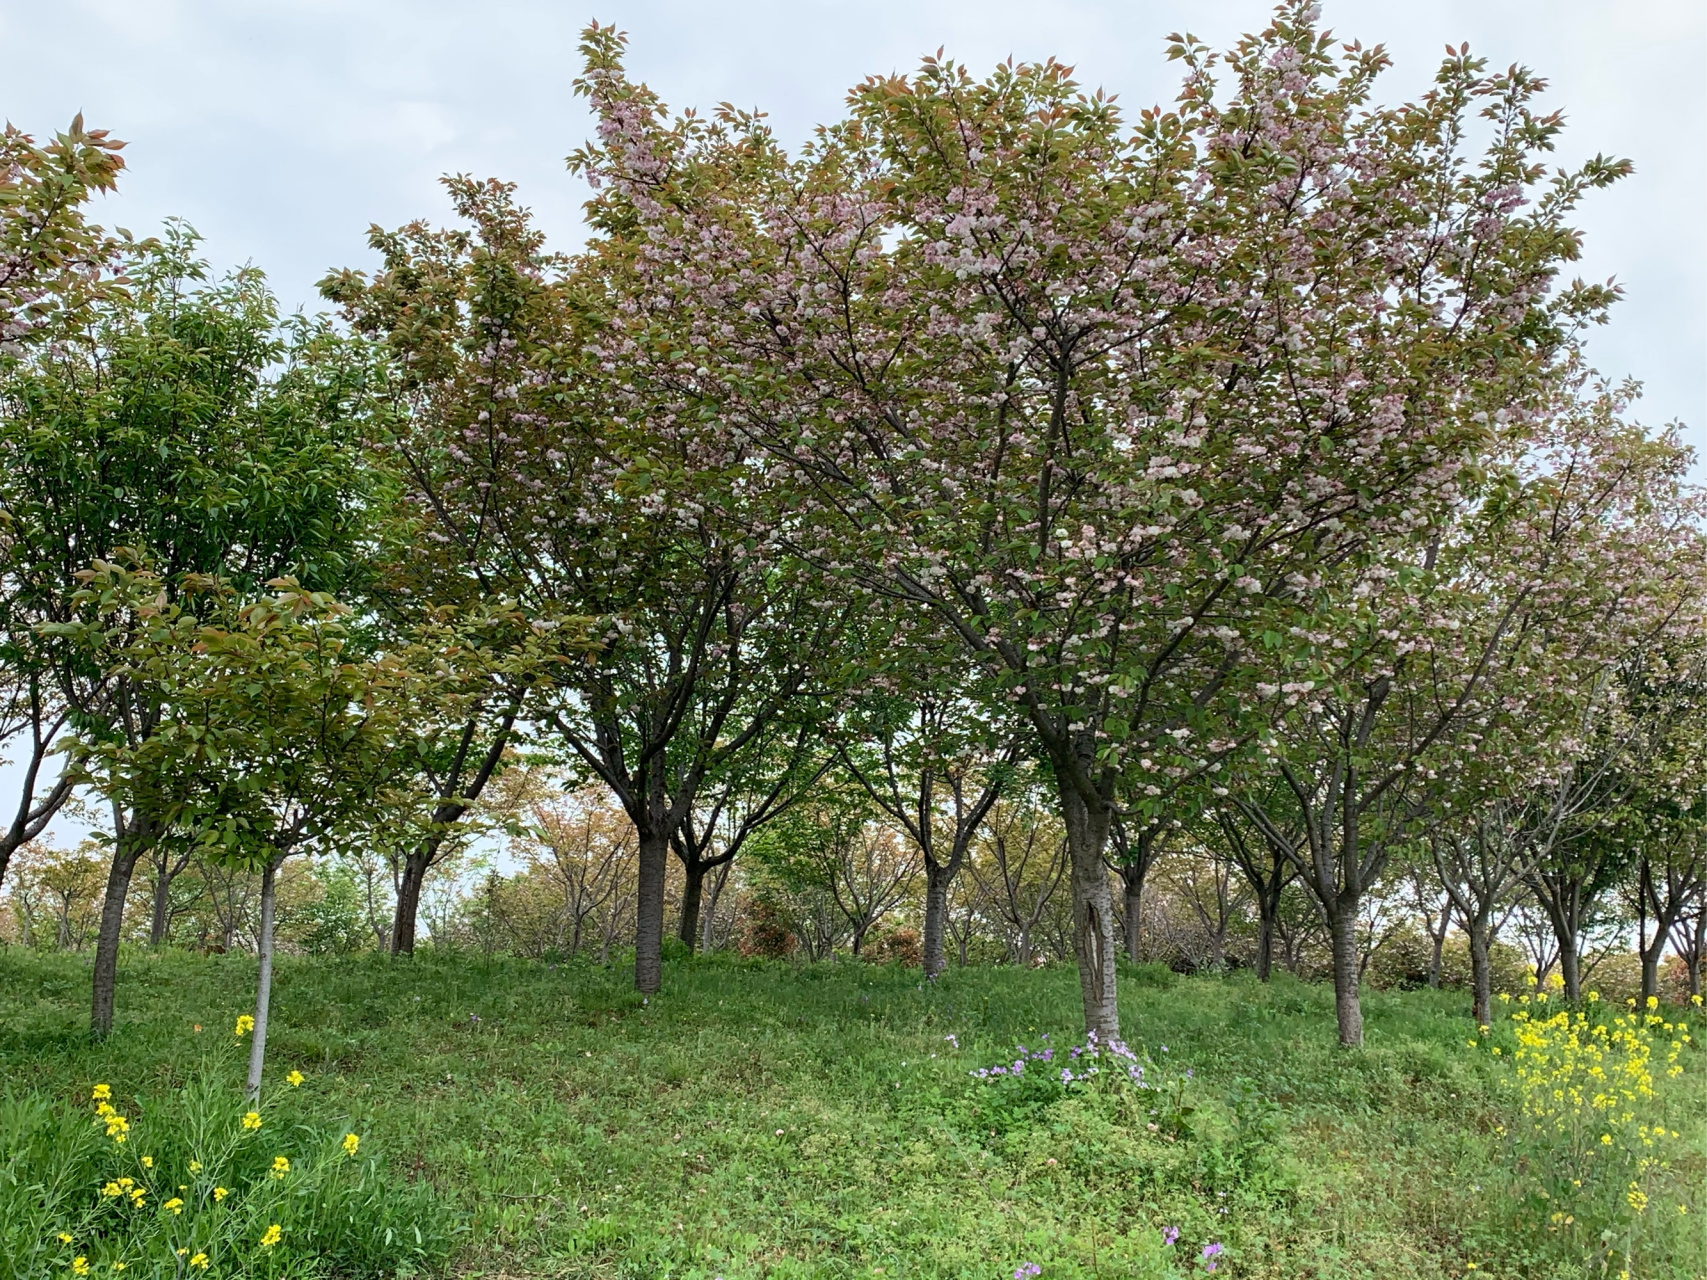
[{"x": 768, "y": 1120}]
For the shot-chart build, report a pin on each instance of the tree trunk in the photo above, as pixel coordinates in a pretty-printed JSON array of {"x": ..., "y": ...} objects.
[
  {"x": 160, "y": 920},
  {"x": 937, "y": 878},
  {"x": 107, "y": 939},
  {"x": 649, "y": 911},
  {"x": 415, "y": 865},
  {"x": 1265, "y": 938},
  {"x": 1434, "y": 961},
  {"x": 1690, "y": 941},
  {"x": 693, "y": 891},
  {"x": 1347, "y": 1007},
  {"x": 708, "y": 913},
  {"x": 264, "y": 980},
  {"x": 1570, "y": 967},
  {"x": 157, "y": 921},
  {"x": 1132, "y": 902},
  {"x": 1481, "y": 973},
  {"x": 1093, "y": 911}
]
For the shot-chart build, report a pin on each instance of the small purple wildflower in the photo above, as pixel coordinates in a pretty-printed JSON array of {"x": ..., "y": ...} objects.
[
  {"x": 1026, "y": 1270},
  {"x": 1209, "y": 1252},
  {"x": 1170, "y": 1234}
]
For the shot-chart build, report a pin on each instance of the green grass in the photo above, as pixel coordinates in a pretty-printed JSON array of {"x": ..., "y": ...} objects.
[{"x": 768, "y": 1120}]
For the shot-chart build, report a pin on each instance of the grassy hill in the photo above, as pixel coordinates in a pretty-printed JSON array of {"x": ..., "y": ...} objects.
[{"x": 761, "y": 1119}]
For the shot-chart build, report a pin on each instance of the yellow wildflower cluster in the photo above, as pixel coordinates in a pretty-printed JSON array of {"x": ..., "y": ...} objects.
[
  {"x": 118, "y": 1128},
  {"x": 1571, "y": 1071},
  {"x": 245, "y": 1024}
]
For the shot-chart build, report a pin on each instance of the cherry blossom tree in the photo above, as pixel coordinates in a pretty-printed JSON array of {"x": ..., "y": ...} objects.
[
  {"x": 1111, "y": 402},
  {"x": 549, "y": 476},
  {"x": 927, "y": 756},
  {"x": 1465, "y": 660}
]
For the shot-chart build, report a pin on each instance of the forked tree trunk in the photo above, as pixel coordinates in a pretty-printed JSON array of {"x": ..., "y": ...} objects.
[
  {"x": 160, "y": 921},
  {"x": 1093, "y": 911},
  {"x": 708, "y": 913},
  {"x": 649, "y": 910},
  {"x": 263, "y": 980},
  {"x": 937, "y": 879},
  {"x": 1348, "y": 1009}
]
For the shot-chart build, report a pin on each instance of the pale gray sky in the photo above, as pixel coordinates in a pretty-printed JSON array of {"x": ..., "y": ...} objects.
[{"x": 282, "y": 128}]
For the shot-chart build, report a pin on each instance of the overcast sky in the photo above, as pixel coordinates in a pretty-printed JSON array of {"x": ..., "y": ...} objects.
[{"x": 283, "y": 128}]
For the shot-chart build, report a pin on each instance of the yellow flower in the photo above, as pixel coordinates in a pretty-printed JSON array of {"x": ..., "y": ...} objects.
[
  {"x": 1638, "y": 1198},
  {"x": 118, "y": 1266},
  {"x": 351, "y": 1142},
  {"x": 1606, "y": 1139},
  {"x": 199, "y": 1261},
  {"x": 138, "y": 1195},
  {"x": 281, "y": 1166},
  {"x": 245, "y": 1024},
  {"x": 195, "y": 1166},
  {"x": 174, "y": 1204},
  {"x": 219, "y": 1193},
  {"x": 101, "y": 1093},
  {"x": 182, "y": 1251},
  {"x": 80, "y": 1266},
  {"x": 1653, "y": 1002},
  {"x": 251, "y": 1119},
  {"x": 295, "y": 1078},
  {"x": 65, "y": 1239},
  {"x": 147, "y": 1162},
  {"x": 270, "y": 1236}
]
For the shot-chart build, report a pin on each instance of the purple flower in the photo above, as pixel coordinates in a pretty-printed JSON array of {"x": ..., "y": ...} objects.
[
  {"x": 1209, "y": 1251},
  {"x": 1026, "y": 1270},
  {"x": 1170, "y": 1234}
]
